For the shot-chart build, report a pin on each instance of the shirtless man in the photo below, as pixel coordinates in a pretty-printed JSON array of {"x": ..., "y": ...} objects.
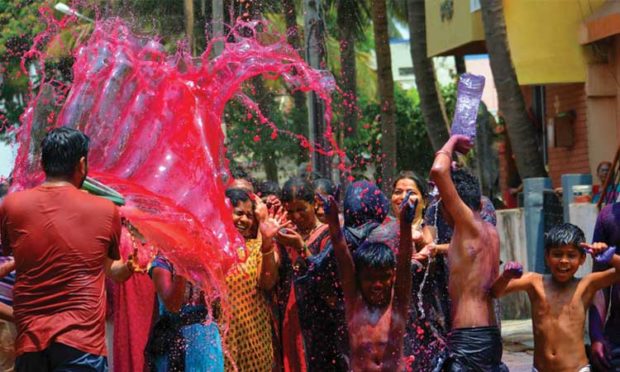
[
  {"x": 377, "y": 291},
  {"x": 560, "y": 301},
  {"x": 474, "y": 343}
]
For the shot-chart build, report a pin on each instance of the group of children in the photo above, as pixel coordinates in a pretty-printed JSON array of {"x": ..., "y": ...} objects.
[{"x": 375, "y": 280}]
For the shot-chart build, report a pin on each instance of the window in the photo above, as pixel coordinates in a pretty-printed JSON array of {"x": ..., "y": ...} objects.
[
  {"x": 474, "y": 5},
  {"x": 405, "y": 71}
]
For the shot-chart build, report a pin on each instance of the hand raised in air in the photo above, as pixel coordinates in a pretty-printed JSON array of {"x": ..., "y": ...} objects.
[
  {"x": 276, "y": 220},
  {"x": 330, "y": 206},
  {"x": 462, "y": 143},
  {"x": 600, "y": 252},
  {"x": 408, "y": 207},
  {"x": 513, "y": 270}
]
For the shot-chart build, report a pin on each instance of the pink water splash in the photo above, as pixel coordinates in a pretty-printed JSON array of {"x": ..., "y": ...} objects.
[{"x": 154, "y": 120}]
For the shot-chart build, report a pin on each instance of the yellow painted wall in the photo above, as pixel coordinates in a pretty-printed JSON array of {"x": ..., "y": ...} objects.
[
  {"x": 443, "y": 36},
  {"x": 542, "y": 34},
  {"x": 543, "y": 38}
]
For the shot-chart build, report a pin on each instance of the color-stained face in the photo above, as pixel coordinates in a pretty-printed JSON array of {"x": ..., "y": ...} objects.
[
  {"x": 301, "y": 213},
  {"x": 401, "y": 189},
  {"x": 564, "y": 262},
  {"x": 243, "y": 218},
  {"x": 376, "y": 285}
]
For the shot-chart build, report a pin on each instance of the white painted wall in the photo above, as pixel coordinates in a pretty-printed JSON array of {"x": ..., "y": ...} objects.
[{"x": 7, "y": 158}]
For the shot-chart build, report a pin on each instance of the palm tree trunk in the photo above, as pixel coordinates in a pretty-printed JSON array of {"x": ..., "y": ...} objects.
[
  {"x": 315, "y": 56},
  {"x": 430, "y": 100},
  {"x": 511, "y": 103},
  {"x": 459, "y": 63},
  {"x": 386, "y": 92},
  {"x": 188, "y": 9},
  {"x": 348, "y": 74},
  {"x": 299, "y": 98},
  {"x": 290, "y": 18}
]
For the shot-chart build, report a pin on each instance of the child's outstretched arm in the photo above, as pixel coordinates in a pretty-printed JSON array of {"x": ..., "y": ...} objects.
[
  {"x": 511, "y": 280},
  {"x": 402, "y": 283},
  {"x": 601, "y": 253},
  {"x": 346, "y": 267}
]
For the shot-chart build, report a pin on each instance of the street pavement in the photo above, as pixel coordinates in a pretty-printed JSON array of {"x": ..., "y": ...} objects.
[{"x": 518, "y": 345}]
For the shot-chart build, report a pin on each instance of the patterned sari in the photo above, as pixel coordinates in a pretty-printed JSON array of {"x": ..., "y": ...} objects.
[{"x": 287, "y": 317}]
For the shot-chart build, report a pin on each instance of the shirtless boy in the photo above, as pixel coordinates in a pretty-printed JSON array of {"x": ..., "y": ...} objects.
[
  {"x": 474, "y": 343},
  {"x": 377, "y": 291},
  {"x": 560, "y": 301}
]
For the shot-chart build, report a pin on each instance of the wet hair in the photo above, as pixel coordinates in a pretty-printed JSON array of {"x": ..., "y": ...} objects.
[
  {"x": 239, "y": 173},
  {"x": 468, "y": 188},
  {"x": 364, "y": 202},
  {"x": 269, "y": 188},
  {"x": 373, "y": 255},
  {"x": 297, "y": 188},
  {"x": 325, "y": 185},
  {"x": 564, "y": 234},
  {"x": 237, "y": 196},
  {"x": 61, "y": 150},
  {"x": 420, "y": 182}
]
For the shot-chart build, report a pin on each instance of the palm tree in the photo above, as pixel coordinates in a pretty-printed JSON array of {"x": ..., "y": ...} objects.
[
  {"x": 386, "y": 91},
  {"x": 289, "y": 10},
  {"x": 188, "y": 10},
  {"x": 511, "y": 103},
  {"x": 430, "y": 100},
  {"x": 351, "y": 17}
]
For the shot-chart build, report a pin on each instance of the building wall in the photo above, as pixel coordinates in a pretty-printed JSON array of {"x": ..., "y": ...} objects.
[
  {"x": 543, "y": 39},
  {"x": 562, "y": 98},
  {"x": 443, "y": 35}
]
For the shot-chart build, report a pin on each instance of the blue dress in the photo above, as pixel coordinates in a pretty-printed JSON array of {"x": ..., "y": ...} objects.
[{"x": 185, "y": 341}]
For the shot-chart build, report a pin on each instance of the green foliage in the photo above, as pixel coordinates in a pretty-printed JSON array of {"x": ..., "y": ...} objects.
[
  {"x": 414, "y": 148},
  {"x": 250, "y": 138},
  {"x": 19, "y": 23}
]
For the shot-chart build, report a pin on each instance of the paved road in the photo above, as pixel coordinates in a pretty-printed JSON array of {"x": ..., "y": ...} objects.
[
  {"x": 518, "y": 345},
  {"x": 517, "y": 361}
]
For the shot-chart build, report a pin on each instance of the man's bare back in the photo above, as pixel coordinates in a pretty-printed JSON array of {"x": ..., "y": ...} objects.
[{"x": 473, "y": 269}]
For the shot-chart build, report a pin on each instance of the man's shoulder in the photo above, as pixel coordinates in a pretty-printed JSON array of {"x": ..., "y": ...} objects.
[{"x": 18, "y": 198}]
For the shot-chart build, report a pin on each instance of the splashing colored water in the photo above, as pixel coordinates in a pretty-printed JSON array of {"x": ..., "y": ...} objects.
[{"x": 154, "y": 120}]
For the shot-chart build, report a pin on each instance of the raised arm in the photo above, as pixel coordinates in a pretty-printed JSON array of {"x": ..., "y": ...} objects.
[
  {"x": 403, "y": 281},
  {"x": 511, "y": 280},
  {"x": 601, "y": 253},
  {"x": 459, "y": 212},
  {"x": 170, "y": 288},
  {"x": 268, "y": 273},
  {"x": 346, "y": 267}
]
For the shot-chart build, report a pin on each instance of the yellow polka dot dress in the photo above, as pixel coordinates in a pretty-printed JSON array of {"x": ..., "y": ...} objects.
[{"x": 248, "y": 340}]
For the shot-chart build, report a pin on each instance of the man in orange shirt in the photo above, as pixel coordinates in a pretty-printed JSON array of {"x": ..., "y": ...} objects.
[{"x": 64, "y": 242}]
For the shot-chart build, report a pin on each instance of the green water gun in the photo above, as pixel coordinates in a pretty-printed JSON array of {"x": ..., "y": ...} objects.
[{"x": 95, "y": 187}]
